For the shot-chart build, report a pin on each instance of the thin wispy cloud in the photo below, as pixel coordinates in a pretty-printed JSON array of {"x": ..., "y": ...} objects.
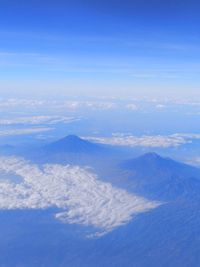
[
  {"x": 24, "y": 131},
  {"x": 69, "y": 63},
  {"x": 56, "y": 104},
  {"x": 37, "y": 120},
  {"x": 21, "y": 102}
]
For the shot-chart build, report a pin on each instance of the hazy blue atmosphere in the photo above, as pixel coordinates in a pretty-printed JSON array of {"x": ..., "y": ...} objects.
[
  {"x": 99, "y": 133},
  {"x": 100, "y": 48}
]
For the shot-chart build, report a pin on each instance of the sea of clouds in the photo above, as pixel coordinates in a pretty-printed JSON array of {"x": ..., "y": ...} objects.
[{"x": 81, "y": 197}]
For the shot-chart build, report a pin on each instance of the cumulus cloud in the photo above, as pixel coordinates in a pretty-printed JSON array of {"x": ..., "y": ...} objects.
[
  {"x": 24, "y": 131},
  {"x": 146, "y": 140},
  {"x": 35, "y": 120},
  {"x": 82, "y": 198}
]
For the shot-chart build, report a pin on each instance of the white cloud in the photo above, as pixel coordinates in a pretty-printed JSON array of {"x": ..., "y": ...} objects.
[
  {"x": 65, "y": 104},
  {"x": 147, "y": 140},
  {"x": 24, "y": 131},
  {"x": 82, "y": 198},
  {"x": 100, "y": 105},
  {"x": 97, "y": 105},
  {"x": 160, "y": 106},
  {"x": 15, "y": 102},
  {"x": 194, "y": 161},
  {"x": 35, "y": 120},
  {"x": 132, "y": 106}
]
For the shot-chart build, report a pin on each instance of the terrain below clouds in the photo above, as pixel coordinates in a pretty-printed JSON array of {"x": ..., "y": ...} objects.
[
  {"x": 77, "y": 191},
  {"x": 78, "y": 203}
]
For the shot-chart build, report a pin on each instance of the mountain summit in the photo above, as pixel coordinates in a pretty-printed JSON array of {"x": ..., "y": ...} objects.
[
  {"x": 72, "y": 144},
  {"x": 152, "y": 163},
  {"x": 161, "y": 176}
]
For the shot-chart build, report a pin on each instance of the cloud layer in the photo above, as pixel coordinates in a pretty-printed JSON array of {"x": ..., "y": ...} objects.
[
  {"x": 24, "y": 131},
  {"x": 36, "y": 120},
  {"x": 147, "y": 140},
  {"x": 82, "y": 198},
  {"x": 66, "y": 104}
]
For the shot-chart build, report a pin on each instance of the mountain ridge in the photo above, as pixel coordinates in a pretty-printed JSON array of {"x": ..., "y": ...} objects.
[{"x": 161, "y": 177}]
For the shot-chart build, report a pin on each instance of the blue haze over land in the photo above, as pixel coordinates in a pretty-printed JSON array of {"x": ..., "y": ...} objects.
[{"x": 99, "y": 133}]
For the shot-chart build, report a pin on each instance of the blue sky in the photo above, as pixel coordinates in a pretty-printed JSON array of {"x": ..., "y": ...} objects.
[{"x": 97, "y": 48}]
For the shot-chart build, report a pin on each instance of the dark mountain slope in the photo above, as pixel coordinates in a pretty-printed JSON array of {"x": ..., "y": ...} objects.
[
  {"x": 161, "y": 177},
  {"x": 73, "y": 144}
]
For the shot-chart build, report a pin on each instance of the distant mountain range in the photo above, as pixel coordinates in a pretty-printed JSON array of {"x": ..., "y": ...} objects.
[{"x": 150, "y": 175}]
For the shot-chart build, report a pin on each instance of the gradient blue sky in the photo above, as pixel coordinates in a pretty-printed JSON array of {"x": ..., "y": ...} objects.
[{"x": 98, "y": 48}]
